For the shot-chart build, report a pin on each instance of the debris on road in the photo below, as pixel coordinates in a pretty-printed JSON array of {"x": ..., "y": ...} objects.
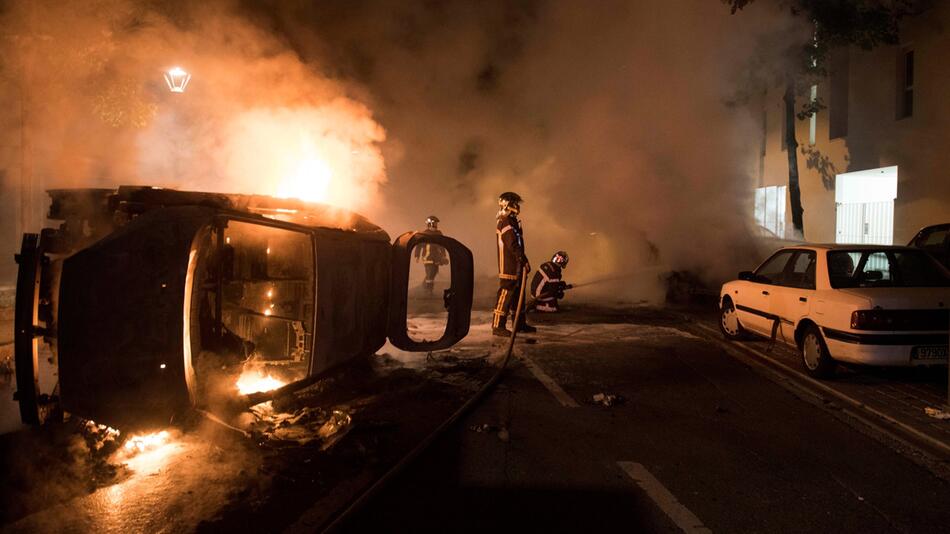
[
  {"x": 937, "y": 413},
  {"x": 607, "y": 400},
  {"x": 338, "y": 420}
]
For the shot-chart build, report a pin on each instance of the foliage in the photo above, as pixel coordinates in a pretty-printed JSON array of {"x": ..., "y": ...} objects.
[
  {"x": 837, "y": 23},
  {"x": 821, "y": 163},
  {"x": 834, "y": 24}
]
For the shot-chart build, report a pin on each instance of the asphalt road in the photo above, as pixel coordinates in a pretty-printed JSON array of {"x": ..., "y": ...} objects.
[{"x": 701, "y": 442}]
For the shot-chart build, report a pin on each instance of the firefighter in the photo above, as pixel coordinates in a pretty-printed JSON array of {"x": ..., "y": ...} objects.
[
  {"x": 546, "y": 286},
  {"x": 432, "y": 256},
  {"x": 511, "y": 263}
]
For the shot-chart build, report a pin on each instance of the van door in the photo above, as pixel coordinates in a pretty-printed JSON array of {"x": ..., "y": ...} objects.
[{"x": 433, "y": 279}]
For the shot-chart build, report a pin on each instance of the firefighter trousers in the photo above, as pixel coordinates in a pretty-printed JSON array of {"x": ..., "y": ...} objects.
[
  {"x": 506, "y": 303},
  {"x": 432, "y": 270}
]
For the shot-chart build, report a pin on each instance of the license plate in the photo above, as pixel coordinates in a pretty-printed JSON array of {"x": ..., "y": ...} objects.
[{"x": 929, "y": 353}]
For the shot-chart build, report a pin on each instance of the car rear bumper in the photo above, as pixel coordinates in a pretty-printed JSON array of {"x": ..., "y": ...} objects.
[{"x": 889, "y": 350}]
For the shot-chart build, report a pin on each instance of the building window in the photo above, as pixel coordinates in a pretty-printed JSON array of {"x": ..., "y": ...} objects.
[
  {"x": 770, "y": 209},
  {"x": 838, "y": 99},
  {"x": 905, "y": 84}
]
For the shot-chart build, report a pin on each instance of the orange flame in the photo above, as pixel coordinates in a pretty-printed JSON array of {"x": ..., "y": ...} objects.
[
  {"x": 309, "y": 179},
  {"x": 254, "y": 381},
  {"x": 326, "y": 154},
  {"x": 146, "y": 442}
]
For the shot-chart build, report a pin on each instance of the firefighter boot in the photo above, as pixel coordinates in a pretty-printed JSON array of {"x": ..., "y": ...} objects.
[
  {"x": 523, "y": 326},
  {"x": 499, "y": 328}
]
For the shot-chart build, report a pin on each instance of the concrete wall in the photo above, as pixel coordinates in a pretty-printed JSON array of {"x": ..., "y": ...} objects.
[
  {"x": 10, "y": 164},
  {"x": 918, "y": 145}
]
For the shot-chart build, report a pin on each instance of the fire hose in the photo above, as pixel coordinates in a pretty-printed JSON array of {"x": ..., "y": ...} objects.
[
  {"x": 616, "y": 277},
  {"x": 387, "y": 477}
]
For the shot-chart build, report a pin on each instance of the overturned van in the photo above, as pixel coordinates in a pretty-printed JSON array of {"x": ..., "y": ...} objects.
[{"x": 155, "y": 301}]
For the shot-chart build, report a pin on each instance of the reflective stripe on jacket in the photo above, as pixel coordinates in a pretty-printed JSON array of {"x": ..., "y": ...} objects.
[{"x": 546, "y": 280}]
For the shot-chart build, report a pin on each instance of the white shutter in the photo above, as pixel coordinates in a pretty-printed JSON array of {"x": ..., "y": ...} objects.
[{"x": 849, "y": 224}]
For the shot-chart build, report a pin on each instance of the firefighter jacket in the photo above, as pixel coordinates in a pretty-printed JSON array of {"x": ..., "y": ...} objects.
[
  {"x": 430, "y": 253},
  {"x": 547, "y": 283},
  {"x": 511, "y": 257}
]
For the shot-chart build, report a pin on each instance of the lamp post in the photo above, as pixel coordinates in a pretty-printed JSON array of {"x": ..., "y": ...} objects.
[{"x": 177, "y": 79}]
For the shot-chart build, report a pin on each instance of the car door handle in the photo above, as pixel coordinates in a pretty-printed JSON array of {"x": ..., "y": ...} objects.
[
  {"x": 765, "y": 292},
  {"x": 802, "y": 299}
]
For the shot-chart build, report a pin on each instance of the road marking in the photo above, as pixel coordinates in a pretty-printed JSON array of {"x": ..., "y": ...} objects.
[
  {"x": 930, "y": 440},
  {"x": 681, "y": 516},
  {"x": 549, "y": 383}
]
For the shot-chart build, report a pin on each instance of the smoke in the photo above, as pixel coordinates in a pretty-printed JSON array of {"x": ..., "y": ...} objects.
[
  {"x": 609, "y": 119},
  {"x": 255, "y": 117}
]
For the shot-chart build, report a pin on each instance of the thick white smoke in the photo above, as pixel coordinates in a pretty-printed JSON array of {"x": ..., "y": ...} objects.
[{"x": 609, "y": 118}]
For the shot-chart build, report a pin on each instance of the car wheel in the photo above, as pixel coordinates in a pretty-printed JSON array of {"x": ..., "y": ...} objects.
[
  {"x": 729, "y": 322},
  {"x": 815, "y": 358}
]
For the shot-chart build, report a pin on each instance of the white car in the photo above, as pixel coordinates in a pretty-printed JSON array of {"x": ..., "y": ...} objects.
[{"x": 865, "y": 304}]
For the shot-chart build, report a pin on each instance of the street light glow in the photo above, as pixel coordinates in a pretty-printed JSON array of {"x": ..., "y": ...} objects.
[{"x": 177, "y": 79}]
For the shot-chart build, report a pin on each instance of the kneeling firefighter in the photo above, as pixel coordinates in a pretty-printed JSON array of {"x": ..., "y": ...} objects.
[
  {"x": 512, "y": 262},
  {"x": 546, "y": 286}
]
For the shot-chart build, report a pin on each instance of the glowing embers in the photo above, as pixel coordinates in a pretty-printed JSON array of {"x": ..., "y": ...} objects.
[
  {"x": 141, "y": 452},
  {"x": 146, "y": 442},
  {"x": 309, "y": 178},
  {"x": 177, "y": 79},
  {"x": 150, "y": 453},
  {"x": 254, "y": 380}
]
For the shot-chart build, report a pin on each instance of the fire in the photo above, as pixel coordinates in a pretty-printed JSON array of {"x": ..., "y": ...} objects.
[
  {"x": 254, "y": 381},
  {"x": 146, "y": 442},
  {"x": 327, "y": 154},
  {"x": 309, "y": 179}
]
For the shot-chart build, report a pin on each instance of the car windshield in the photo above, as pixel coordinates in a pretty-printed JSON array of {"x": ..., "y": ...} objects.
[{"x": 884, "y": 268}]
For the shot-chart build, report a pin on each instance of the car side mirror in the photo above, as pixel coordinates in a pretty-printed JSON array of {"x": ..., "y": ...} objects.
[
  {"x": 747, "y": 275},
  {"x": 456, "y": 299}
]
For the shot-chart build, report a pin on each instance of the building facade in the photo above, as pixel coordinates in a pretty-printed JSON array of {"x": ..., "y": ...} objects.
[{"x": 874, "y": 165}]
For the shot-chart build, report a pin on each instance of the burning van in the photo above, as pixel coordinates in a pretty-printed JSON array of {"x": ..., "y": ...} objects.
[{"x": 155, "y": 302}]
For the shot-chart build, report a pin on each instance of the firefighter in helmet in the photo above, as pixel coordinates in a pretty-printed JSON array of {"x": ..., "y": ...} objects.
[
  {"x": 511, "y": 263},
  {"x": 546, "y": 286},
  {"x": 431, "y": 255}
]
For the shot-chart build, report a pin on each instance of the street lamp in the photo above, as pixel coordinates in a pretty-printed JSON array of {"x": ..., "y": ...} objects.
[{"x": 177, "y": 79}]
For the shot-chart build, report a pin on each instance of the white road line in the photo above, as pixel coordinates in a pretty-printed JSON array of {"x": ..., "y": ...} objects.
[
  {"x": 847, "y": 399},
  {"x": 549, "y": 383},
  {"x": 681, "y": 516}
]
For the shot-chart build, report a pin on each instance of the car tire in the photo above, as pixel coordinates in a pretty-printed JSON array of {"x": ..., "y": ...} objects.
[
  {"x": 729, "y": 323},
  {"x": 816, "y": 361}
]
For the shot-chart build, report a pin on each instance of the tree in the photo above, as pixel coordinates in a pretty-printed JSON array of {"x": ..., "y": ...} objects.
[{"x": 836, "y": 23}]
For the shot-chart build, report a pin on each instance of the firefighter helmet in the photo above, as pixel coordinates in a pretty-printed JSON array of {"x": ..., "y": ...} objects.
[
  {"x": 510, "y": 203},
  {"x": 432, "y": 222},
  {"x": 560, "y": 259}
]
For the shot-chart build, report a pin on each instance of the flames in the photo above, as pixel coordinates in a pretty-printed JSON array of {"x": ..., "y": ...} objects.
[
  {"x": 141, "y": 452},
  {"x": 309, "y": 178},
  {"x": 146, "y": 442},
  {"x": 254, "y": 380},
  {"x": 328, "y": 154}
]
